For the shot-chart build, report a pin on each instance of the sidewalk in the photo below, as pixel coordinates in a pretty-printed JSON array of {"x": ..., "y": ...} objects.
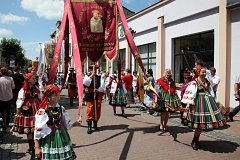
[{"x": 136, "y": 137}]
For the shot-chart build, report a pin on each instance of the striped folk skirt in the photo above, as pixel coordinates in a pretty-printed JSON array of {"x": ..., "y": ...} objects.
[
  {"x": 57, "y": 145},
  {"x": 172, "y": 102},
  {"x": 204, "y": 115},
  {"x": 24, "y": 123},
  {"x": 119, "y": 99}
]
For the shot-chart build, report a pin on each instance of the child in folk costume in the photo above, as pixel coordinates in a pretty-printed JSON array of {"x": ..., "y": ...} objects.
[
  {"x": 27, "y": 104},
  {"x": 202, "y": 112},
  {"x": 168, "y": 100},
  {"x": 118, "y": 95},
  {"x": 52, "y": 140}
]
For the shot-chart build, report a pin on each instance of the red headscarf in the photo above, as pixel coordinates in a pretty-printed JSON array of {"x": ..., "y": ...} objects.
[
  {"x": 198, "y": 69},
  {"x": 49, "y": 90},
  {"x": 27, "y": 77}
]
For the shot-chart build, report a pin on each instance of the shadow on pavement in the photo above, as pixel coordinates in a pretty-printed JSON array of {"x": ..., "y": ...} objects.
[
  {"x": 219, "y": 146},
  {"x": 152, "y": 129},
  {"x": 8, "y": 149},
  {"x": 127, "y": 115},
  {"x": 140, "y": 121},
  {"x": 175, "y": 130}
]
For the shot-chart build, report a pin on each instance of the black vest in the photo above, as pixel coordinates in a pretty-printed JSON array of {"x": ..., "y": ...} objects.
[{"x": 89, "y": 96}]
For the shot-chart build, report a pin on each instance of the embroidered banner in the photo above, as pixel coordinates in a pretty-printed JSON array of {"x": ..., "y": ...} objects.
[
  {"x": 95, "y": 22},
  {"x": 49, "y": 52}
]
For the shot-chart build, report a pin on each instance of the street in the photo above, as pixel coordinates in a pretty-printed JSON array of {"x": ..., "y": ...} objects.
[{"x": 135, "y": 137}]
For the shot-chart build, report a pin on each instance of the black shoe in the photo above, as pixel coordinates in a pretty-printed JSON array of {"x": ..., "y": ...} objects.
[
  {"x": 230, "y": 117},
  {"x": 89, "y": 131},
  {"x": 194, "y": 145},
  {"x": 124, "y": 115},
  {"x": 95, "y": 126}
]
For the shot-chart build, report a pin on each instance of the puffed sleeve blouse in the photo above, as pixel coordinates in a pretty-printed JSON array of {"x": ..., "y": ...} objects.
[{"x": 41, "y": 119}]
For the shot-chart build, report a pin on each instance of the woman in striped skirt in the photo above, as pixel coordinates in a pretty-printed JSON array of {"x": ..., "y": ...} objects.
[
  {"x": 52, "y": 140},
  {"x": 118, "y": 95},
  {"x": 27, "y": 105},
  {"x": 202, "y": 112},
  {"x": 168, "y": 100}
]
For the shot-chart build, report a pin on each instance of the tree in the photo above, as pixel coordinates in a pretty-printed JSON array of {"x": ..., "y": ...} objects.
[{"x": 11, "y": 49}]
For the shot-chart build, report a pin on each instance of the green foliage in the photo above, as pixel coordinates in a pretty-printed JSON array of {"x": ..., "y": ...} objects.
[{"x": 11, "y": 48}]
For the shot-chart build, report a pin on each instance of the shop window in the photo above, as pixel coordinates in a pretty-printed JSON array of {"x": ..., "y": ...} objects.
[
  {"x": 190, "y": 48},
  {"x": 148, "y": 56}
]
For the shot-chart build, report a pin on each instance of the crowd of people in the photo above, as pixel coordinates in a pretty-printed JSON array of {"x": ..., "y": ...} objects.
[{"x": 38, "y": 114}]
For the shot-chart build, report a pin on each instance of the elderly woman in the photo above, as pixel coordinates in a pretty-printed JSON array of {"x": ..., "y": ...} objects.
[
  {"x": 168, "y": 100},
  {"x": 202, "y": 112}
]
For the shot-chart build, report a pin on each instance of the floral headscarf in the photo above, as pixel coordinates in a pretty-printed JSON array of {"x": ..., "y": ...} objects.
[
  {"x": 27, "y": 77},
  {"x": 49, "y": 90}
]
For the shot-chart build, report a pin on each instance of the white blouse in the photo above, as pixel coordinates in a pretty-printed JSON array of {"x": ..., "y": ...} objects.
[
  {"x": 190, "y": 93},
  {"x": 87, "y": 82},
  {"x": 21, "y": 98},
  {"x": 41, "y": 119}
]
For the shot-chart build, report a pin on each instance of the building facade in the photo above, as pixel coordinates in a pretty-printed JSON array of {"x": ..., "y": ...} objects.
[{"x": 173, "y": 34}]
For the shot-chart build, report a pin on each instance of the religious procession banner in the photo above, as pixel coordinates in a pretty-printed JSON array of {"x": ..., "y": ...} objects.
[
  {"x": 96, "y": 25},
  {"x": 49, "y": 52}
]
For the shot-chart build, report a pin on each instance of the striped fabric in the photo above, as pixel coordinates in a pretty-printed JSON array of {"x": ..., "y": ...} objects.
[
  {"x": 24, "y": 123},
  {"x": 205, "y": 114},
  {"x": 119, "y": 99},
  {"x": 173, "y": 100},
  {"x": 57, "y": 145}
]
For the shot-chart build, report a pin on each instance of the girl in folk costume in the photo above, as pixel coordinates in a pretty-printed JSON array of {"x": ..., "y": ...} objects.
[
  {"x": 27, "y": 105},
  {"x": 202, "y": 112},
  {"x": 52, "y": 140},
  {"x": 118, "y": 95},
  {"x": 168, "y": 100},
  {"x": 187, "y": 79}
]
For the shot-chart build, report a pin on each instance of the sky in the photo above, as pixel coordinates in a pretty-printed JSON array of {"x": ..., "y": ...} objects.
[{"x": 32, "y": 21}]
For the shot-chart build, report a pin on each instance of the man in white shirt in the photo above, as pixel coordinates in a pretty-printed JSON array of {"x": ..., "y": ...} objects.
[
  {"x": 214, "y": 80},
  {"x": 6, "y": 95},
  {"x": 94, "y": 90}
]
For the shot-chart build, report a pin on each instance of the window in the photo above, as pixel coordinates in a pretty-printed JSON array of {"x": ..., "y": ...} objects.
[
  {"x": 148, "y": 56},
  {"x": 190, "y": 48}
]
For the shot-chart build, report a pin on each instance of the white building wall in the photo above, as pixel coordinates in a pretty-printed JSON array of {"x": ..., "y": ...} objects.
[
  {"x": 171, "y": 11},
  {"x": 235, "y": 52}
]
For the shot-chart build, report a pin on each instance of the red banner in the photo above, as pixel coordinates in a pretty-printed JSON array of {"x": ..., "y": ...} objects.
[
  {"x": 95, "y": 22},
  {"x": 57, "y": 50},
  {"x": 129, "y": 37}
]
